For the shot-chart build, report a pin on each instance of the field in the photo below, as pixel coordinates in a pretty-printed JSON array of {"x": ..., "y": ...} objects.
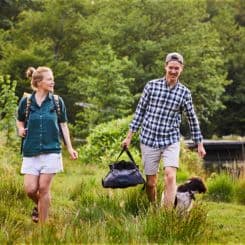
[{"x": 83, "y": 212}]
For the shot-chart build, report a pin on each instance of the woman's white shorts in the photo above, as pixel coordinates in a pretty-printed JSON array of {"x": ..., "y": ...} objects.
[{"x": 42, "y": 164}]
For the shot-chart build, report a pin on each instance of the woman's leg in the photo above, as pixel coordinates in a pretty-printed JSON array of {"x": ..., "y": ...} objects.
[
  {"x": 45, "y": 181},
  {"x": 31, "y": 185}
]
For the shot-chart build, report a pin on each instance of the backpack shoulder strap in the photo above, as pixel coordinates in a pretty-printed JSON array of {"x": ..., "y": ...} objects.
[
  {"x": 57, "y": 104},
  {"x": 58, "y": 111},
  {"x": 28, "y": 105}
]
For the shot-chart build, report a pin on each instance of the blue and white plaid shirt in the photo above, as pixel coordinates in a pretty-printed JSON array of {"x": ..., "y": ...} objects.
[{"x": 159, "y": 114}]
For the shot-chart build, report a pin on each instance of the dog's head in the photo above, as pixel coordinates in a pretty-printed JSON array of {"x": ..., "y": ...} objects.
[{"x": 194, "y": 184}]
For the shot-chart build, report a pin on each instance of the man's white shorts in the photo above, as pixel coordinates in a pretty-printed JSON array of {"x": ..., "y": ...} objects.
[
  {"x": 42, "y": 164},
  {"x": 151, "y": 157}
]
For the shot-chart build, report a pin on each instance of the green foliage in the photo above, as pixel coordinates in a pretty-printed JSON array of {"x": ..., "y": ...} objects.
[
  {"x": 232, "y": 36},
  {"x": 221, "y": 188},
  {"x": 105, "y": 89},
  {"x": 104, "y": 52},
  {"x": 8, "y": 103},
  {"x": 240, "y": 191},
  {"x": 10, "y": 9},
  {"x": 104, "y": 142}
]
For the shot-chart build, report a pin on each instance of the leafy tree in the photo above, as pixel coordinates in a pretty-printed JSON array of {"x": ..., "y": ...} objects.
[
  {"x": 230, "y": 120},
  {"x": 146, "y": 31},
  {"x": 10, "y": 9},
  {"x": 8, "y": 103},
  {"x": 72, "y": 37},
  {"x": 105, "y": 89}
]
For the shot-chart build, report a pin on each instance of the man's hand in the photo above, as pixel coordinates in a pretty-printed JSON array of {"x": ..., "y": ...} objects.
[
  {"x": 126, "y": 142},
  {"x": 201, "y": 150}
]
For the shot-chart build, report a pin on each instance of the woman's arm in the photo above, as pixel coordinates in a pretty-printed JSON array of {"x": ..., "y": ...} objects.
[
  {"x": 66, "y": 134},
  {"x": 21, "y": 128}
]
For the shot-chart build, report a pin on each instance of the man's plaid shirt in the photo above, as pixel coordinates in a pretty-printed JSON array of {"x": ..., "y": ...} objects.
[{"x": 159, "y": 114}]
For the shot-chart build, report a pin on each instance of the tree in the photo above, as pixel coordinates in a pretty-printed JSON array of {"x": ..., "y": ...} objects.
[
  {"x": 146, "y": 31},
  {"x": 230, "y": 119},
  {"x": 104, "y": 89},
  {"x": 10, "y": 9},
  {"x": 8, "y": 103},
  {"x": 72, "y": 36}
]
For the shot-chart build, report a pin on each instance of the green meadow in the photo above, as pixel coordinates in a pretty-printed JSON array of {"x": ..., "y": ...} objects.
[{"x": 83, "y": 212}]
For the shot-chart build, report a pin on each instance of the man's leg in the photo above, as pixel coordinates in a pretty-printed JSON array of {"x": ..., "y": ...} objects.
[
  {"x": 171, "y": 164},
  {"x": 170, "y": 186},
  {"x": 151, "y": 190},
  {"x": 31, "y": 184},
  {"x": 44, "y": 196},
  {"x": 151, "y": 158}
]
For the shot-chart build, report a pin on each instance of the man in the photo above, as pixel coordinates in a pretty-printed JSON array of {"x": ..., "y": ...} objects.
[{"x": 159, "y": 115}]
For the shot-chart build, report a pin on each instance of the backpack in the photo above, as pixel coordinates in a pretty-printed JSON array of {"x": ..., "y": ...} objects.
[{"x": 55, "y": 99}]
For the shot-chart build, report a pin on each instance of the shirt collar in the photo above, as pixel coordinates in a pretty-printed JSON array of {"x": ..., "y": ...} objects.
[
  {"x": 166, "y": 85},
  {"x": 49, "y": 96}
]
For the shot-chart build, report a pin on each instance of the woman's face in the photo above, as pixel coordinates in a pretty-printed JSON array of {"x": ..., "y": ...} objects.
[{"x": 47, "y": 84}]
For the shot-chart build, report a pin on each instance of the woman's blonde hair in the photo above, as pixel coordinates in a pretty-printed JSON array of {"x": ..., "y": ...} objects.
[{"x": 36, "y": 75}]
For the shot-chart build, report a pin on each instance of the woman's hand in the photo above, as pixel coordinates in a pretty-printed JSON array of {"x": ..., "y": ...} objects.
[
  {"x": 22, "y": 132},
  {"x": 73, "y": 153}
]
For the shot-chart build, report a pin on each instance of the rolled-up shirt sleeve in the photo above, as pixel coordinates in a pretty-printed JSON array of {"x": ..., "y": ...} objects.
[
  {"x": 140, "y": 110},
  {"x": 21, "y": 110},
  {"x": 192, "y": 119},
  {"x": 63, "y": 115}
]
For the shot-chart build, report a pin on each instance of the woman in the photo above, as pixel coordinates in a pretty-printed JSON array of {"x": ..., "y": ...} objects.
[{"x": 41, "y": 139}]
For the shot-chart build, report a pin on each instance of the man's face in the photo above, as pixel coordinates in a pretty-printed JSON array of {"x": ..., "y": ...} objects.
[{"x": 173, "y": 70}]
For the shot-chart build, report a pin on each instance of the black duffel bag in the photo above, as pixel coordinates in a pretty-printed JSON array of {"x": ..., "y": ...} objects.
[{"x": 123, "y": 174}]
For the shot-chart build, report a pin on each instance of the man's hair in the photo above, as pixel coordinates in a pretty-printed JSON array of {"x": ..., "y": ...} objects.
[{"x": 174, "y": 56}]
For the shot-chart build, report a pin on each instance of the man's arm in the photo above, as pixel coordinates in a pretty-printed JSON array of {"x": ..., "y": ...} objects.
[
  {"x": 138, "y": 116},
  {"x": 194, "y": 125}
]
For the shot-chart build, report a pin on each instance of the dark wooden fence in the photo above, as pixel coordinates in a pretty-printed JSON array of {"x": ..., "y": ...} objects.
[
  {"x": 224, "y": 155},
  {"x": 222, "y": 151}
]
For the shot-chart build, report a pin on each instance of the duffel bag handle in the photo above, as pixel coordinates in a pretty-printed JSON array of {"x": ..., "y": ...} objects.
[{"x": 128, "y": 153}]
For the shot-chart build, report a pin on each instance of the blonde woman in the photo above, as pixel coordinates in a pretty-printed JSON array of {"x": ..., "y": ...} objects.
[{"x": 41, "y": 139}]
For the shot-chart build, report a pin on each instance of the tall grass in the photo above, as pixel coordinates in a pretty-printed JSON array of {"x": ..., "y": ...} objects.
[
  {"x": 83, "y": 212},
  {"x": 221, "y": 188},
  {"x": 240, "y": 191},
  {"x": 167, "y": 226}
]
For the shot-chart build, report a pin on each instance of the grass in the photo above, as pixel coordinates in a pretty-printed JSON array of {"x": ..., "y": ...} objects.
[
  {"x": 228, "y": 222},
  {"x": 83, "y": 212}
]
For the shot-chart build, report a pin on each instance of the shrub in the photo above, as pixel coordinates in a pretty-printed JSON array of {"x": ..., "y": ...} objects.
[
  {"x": 8, "y": 103},
  {"x": 240, "y": 192},
  {"x": 105, "y": 141},
  {"x": 221, "y": 188}
]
